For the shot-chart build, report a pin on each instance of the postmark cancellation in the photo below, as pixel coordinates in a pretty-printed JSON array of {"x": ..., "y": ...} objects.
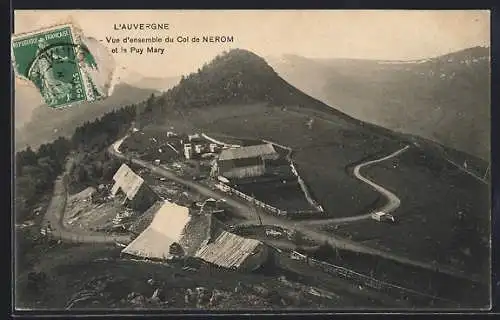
[{"x": 58, "y": 63}]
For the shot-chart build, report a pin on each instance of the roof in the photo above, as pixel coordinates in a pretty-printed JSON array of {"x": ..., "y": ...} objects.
[
  {"x": 144, "y": 220},
  {"x": 247, "y": 152},
  {"x": 167, "y": 227},
  {"x": 228, "y": 250},
  {"x": 173, "y": 223},
  {"x": 243, "y": 162},
  {"x": 128, "y": 181}
]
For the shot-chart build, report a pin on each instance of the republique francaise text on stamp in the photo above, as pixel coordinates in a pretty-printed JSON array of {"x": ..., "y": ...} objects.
[{"x": 59, "y": 64}]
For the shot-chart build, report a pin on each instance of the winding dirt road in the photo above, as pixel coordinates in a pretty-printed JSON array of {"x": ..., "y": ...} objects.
[
  {"x": 392, "y": 203},
  {"x": 55, "y": 214},
  {"x": 248, "y": 212}
]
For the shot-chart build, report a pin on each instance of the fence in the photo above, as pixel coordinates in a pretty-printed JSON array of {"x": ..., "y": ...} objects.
[
  {"x": 224, "y": 187},
  {"x": 219, "y": 142},
  {"x": 366, "y": 280},
  {"x": 289, "y": 214},
  {"x": 302, "y": 184}
]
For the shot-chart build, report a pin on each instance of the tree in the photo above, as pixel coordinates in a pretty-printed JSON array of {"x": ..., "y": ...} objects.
[
  {"x": 25, "y": 193},
  {"x": 98, "y": 168},
  {"x": 80, "y": 174},
  {"x": 326, "y": 251},
  {"x": 48, "y": 166},
  {"x": 109, "y": 169},
  {"x": 26, "y": 158}
]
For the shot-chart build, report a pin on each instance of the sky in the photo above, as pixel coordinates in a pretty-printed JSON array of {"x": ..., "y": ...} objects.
[{"x": 381, "y": 34}]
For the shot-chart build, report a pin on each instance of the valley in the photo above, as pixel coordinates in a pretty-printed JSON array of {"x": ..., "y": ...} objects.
[
  {"x": 430, "y": 98},
  {"x": 438, "y": 247}
]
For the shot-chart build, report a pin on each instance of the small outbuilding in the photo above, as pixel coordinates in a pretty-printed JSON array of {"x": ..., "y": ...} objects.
[{"x": 135, "y": 192}]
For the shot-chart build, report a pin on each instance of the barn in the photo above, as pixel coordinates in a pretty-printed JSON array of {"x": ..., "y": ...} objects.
[
  {"x": 199, "y": 236},
  {"x": 172, "y": 224},
  {"x": 244, "y": 162},
  {"x": 135, "y": 192}
]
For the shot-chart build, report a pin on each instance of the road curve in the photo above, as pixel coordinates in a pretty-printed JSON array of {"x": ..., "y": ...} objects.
[
  {"x": 55, "y": 214},
  {"x": 244, "y": 210},
  {"x": 392, "y": 203}
]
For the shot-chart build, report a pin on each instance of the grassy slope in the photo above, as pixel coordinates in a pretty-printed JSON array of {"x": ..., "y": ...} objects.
[
  {"x": 321, "y": 153},
  {"x": 432, "y": 193},
  {"x": 430, "y": 189}
]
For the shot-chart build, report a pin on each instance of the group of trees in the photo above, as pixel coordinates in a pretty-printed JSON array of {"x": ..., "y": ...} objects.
[
  {"x": 100, "y": 133},
  {"x": 35, "y": 174},
  {"x": 93, "y": 164},
  {"x": 37, "y": 170}
]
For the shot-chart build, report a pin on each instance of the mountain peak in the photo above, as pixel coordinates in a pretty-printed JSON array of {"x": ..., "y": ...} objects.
[
  {"x": 235, "y": 76},
  {"x": 241, "y": 60}
]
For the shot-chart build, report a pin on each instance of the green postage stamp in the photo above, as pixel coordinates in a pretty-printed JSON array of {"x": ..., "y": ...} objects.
[{"x": 57, "y": 60}]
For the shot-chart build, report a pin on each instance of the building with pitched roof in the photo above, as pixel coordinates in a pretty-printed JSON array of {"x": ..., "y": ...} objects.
[
  {"x": 135, "y": 192},
  {"x": 244, "y": 162},
  {"x": 199, "y": 236},
  {"x": 228, "y": 250}
]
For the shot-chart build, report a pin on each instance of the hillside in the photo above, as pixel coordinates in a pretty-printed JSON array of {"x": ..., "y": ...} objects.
[
  {"x": 445, "y": 99},
  {"x": 239, "y": 95},
  {"x": 48, "y": 124},
  {"x": 444, "y": 216},
  {"x": 241, "y": 78}
]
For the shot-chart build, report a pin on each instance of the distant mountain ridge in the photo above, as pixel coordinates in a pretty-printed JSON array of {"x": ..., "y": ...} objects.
[
  {"x": 445, "y": 98},
  {"x": 27, "y": 98},
  {"x": 48, "y": 124},
  {"x": 35, "y": 124},
  {"x": 153, "y": 83}
]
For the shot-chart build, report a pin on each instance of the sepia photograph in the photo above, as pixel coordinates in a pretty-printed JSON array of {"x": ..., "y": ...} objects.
[{"x": 251, "y": 160}]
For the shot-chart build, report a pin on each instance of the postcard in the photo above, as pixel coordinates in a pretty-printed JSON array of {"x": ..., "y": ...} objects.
[{"x": 245, "y": 161}]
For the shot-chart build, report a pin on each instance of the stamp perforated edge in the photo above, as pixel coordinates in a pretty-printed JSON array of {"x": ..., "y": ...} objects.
[
  {"x": 77, "y": 33},
  {"x": 21, "y": 36}
]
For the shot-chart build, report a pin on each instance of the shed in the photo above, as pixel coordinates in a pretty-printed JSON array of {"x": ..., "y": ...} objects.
[{"x": 137, "y": 193}]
